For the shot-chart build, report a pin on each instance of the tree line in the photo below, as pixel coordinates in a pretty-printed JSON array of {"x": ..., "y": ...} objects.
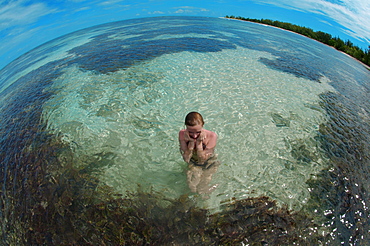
[{"x": 345, "y": 46}]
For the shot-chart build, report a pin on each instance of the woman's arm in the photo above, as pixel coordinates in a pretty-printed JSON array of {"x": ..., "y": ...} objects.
[
  {"x": 210, "y": 140},
  {"x": 186, "y": 149}
]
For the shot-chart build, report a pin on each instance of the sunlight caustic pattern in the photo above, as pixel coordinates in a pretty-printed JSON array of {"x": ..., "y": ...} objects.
[
  {"x": 96, "y": 113},
  {"x": 126, "y": 123}
]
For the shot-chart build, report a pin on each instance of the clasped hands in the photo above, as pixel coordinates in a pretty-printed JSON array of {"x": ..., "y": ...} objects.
[{"x": 195, "y": 143}]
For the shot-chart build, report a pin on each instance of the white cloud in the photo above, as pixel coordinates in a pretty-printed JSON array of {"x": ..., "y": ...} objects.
[
  {"x": 17, "y": 13},
  {"x": 353, "y": 15},
  {"x": 110, "y": 2},
  {"x": 156, "y": 13},
  {"x": 76, "y": 1},
  {"x": 180, "y": 11},
  {"x": 326, "y": 23},
  {"x": 188, "y": 10},
  {"x": 23, "y": 26},
  {"x": 81, "y": 9}
]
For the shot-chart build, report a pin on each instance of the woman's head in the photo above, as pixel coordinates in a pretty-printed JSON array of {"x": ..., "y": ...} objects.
[
  {"x": 194, "y": 124},
  {"x": 194, "y": 118}
]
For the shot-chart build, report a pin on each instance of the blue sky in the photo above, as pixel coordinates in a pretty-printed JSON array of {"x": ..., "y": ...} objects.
[{"x": 26, "y": 24}]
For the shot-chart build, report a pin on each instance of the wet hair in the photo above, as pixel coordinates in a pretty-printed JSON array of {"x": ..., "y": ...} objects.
[{"x": 193, "y": 119}]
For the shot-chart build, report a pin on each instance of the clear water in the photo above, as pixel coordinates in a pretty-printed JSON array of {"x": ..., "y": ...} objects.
[
  {"x": 119, "y": 94},
  {"x": 128, "y": 122}
]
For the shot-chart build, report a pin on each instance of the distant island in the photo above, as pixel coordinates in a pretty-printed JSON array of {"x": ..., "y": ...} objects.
[{"x": 344, "y": 46}]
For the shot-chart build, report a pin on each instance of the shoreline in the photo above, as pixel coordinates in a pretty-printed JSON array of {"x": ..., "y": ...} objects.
[{"x": 365, "y": 65}]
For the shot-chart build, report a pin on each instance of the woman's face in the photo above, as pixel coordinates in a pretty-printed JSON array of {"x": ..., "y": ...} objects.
[{"x": 194, "y": 131}]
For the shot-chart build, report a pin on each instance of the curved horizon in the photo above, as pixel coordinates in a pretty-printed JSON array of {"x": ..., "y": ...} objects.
[{"x": 28, "y": 24}]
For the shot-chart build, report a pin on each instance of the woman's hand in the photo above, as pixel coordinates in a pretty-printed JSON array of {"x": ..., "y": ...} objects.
[
  {"x": 187, "y": 158},
  {"x": 201, "y": 137},
  {"x": 187, "y": 138},
  {"x": 191, "y": 144}
]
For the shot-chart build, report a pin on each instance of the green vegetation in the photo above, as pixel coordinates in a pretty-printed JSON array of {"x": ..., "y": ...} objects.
[{"x": 345, "y": 46}]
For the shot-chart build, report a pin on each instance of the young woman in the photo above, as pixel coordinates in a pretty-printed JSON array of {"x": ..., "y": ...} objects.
[{"x": 197, "y": 148}]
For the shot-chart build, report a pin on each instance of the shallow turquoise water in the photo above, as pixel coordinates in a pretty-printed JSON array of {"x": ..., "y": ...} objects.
[
  {"x": 118, "y": 94},
  {"x": 133, "y": 128}
]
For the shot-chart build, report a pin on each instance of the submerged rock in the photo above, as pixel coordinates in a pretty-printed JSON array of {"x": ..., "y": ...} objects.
[{"x": 279, "y": 120}]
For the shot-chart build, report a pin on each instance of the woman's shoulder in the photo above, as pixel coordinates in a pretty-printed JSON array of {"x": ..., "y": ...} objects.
[
  {"x": 211, "y": 139},
  {"x": 211, "y": 134},
  {"x": 181, "y": 133}
]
